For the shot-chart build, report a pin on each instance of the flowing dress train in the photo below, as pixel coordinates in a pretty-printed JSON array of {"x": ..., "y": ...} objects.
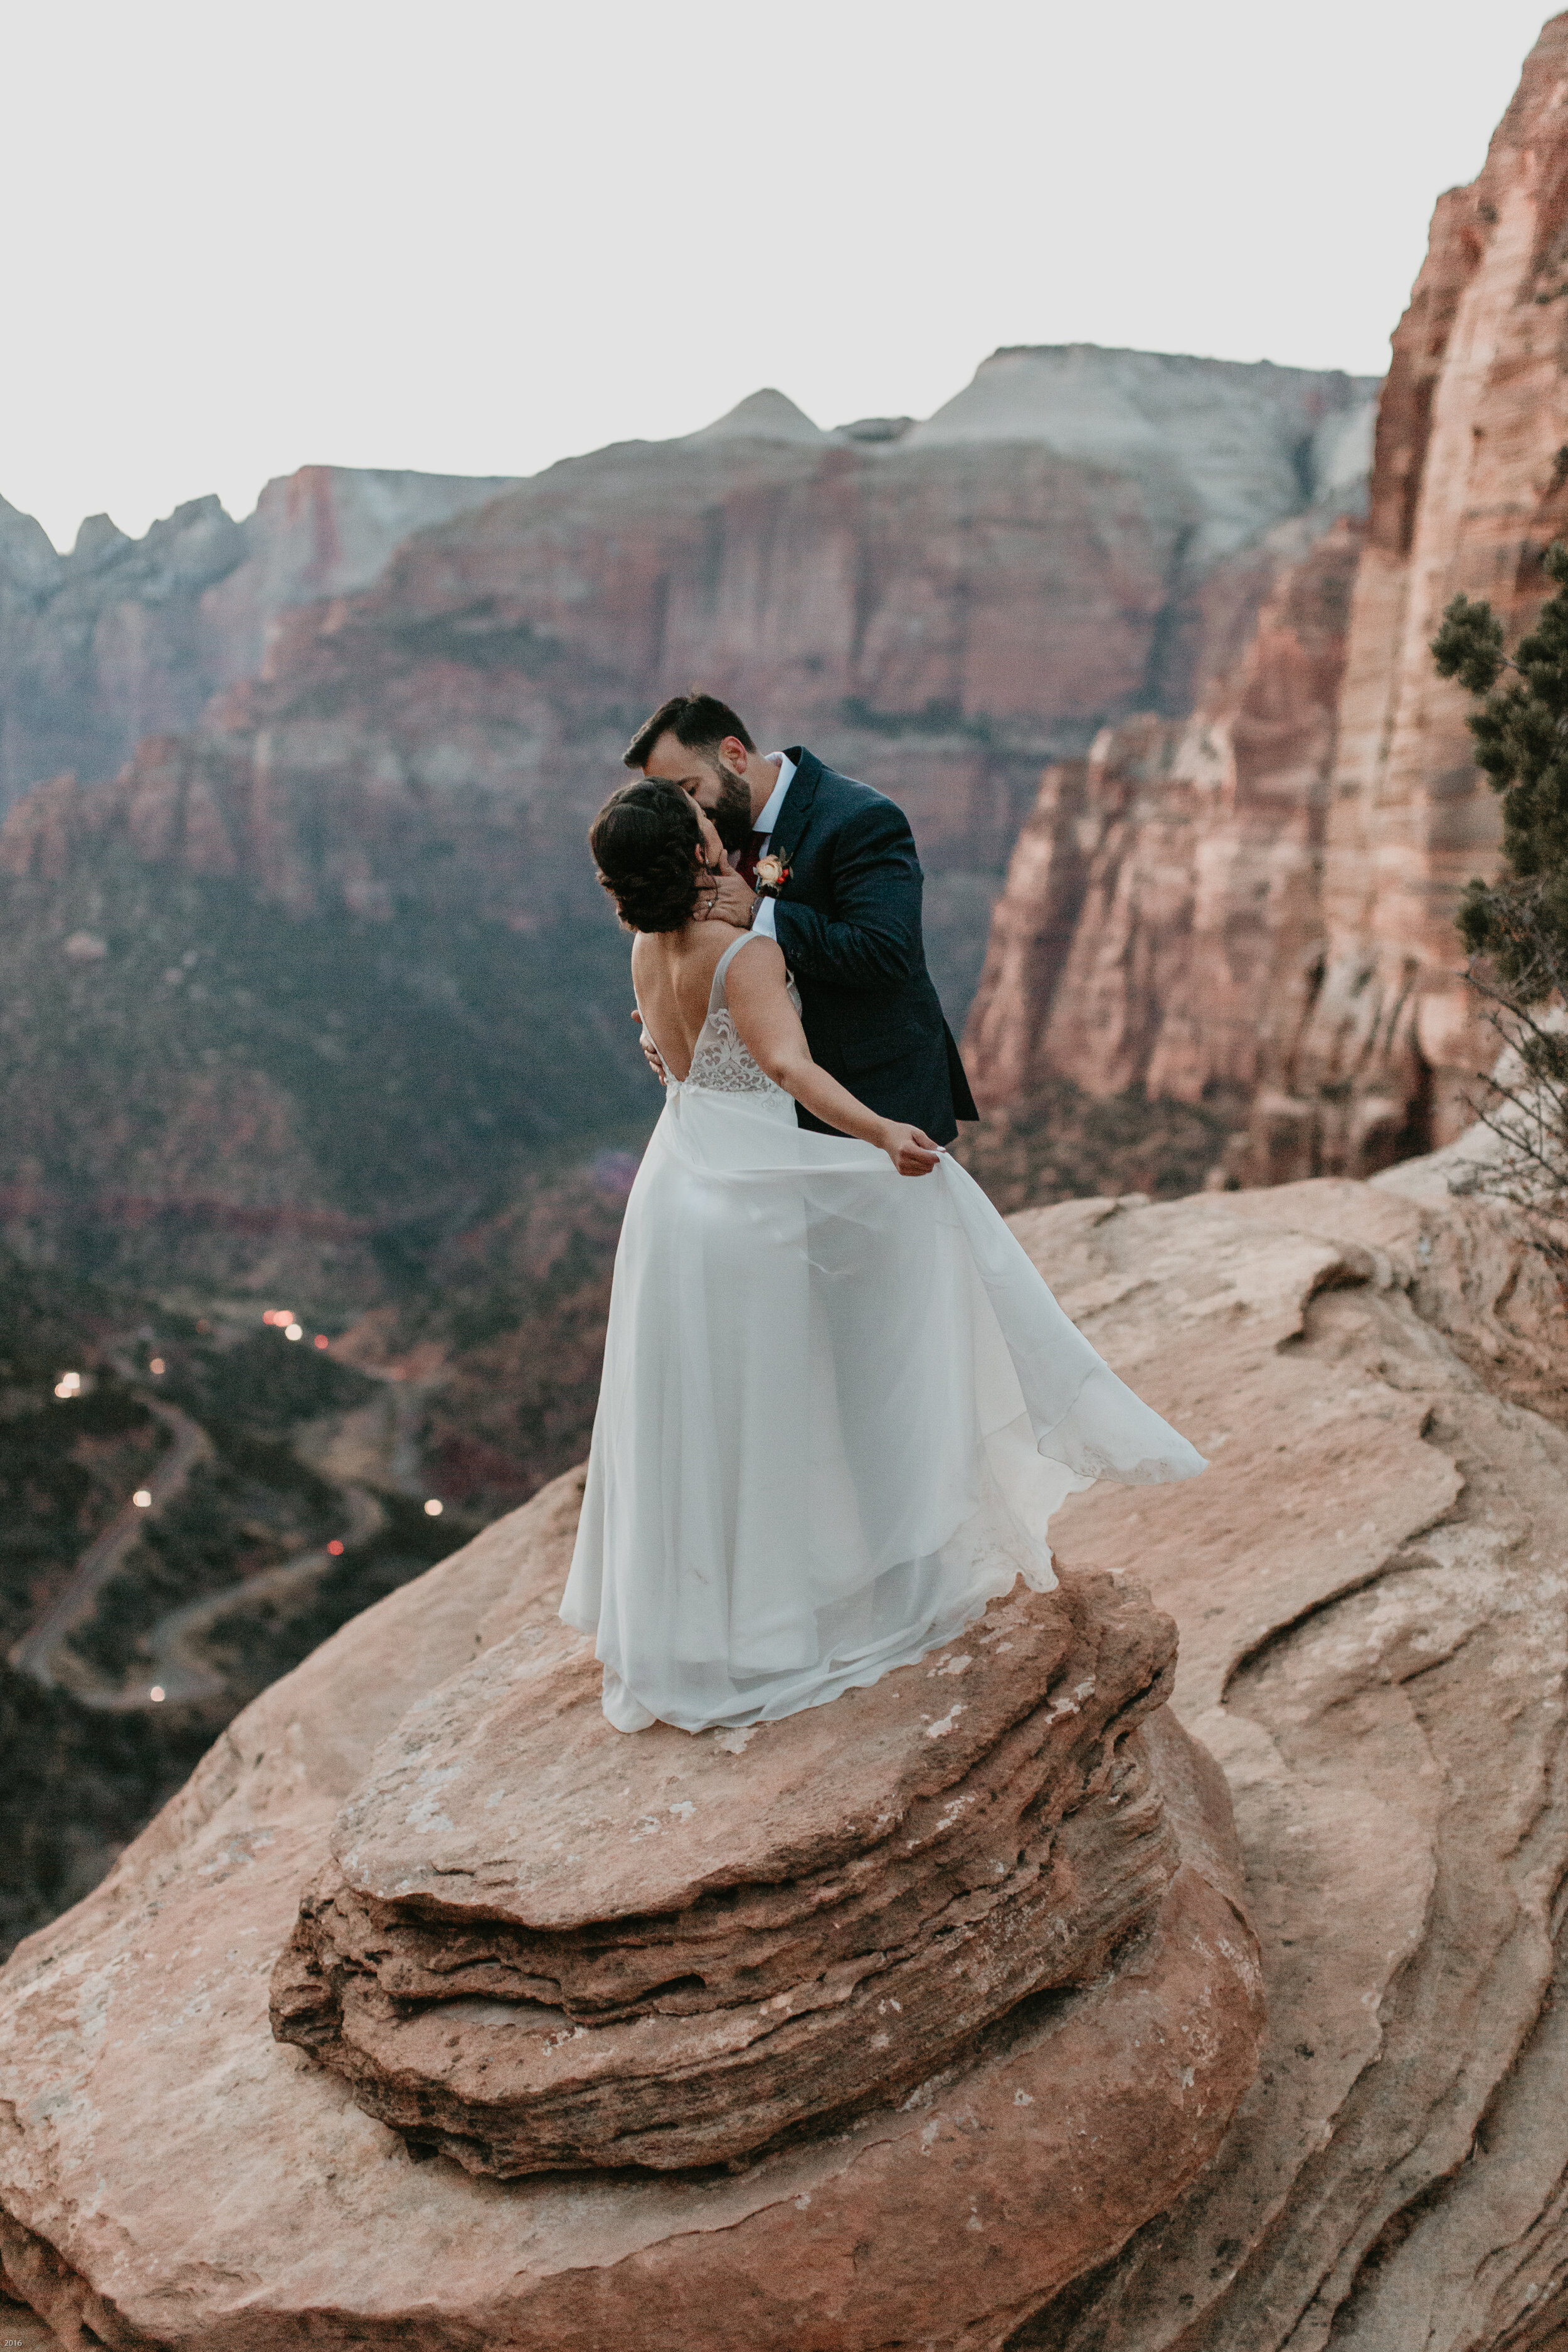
[{"x": 838, "y": 1408}]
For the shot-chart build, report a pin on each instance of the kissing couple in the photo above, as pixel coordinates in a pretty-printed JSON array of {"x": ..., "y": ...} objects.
[{"x": 840, "y": 1404}]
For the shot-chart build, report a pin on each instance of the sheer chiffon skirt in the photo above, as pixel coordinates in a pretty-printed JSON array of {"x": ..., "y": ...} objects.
[{"x": 838, "y": 1409}]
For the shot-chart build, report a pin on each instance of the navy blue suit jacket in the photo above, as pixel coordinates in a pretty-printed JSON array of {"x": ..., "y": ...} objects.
[{"x": 849, "y": 921}]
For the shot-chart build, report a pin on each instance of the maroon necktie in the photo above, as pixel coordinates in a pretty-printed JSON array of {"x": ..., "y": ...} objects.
[{"x": 746, "y": 864}]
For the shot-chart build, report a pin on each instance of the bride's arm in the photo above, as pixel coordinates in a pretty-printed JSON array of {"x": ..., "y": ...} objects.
[{"x": 756, "y": 991}]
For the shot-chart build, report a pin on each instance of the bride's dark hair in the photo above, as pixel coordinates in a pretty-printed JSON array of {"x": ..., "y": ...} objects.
[{"x": 645, "y": 842}]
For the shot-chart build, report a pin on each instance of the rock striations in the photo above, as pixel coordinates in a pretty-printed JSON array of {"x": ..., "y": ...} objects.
[
  {"x": 824, "y": 1913},
  {"x": 1470, "y": 486},
  {"x": 868, "y": 2025},
  {"x": 929, "y": 2018},
  {"x": 1259, "y": 906},
  {"x": 1370, "y": 1584}
]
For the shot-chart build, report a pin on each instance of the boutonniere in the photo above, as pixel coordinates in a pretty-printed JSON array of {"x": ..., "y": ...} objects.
[{"x": 772, "y": 873}]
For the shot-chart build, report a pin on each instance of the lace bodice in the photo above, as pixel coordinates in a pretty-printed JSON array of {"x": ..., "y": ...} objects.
[{"x": 720, "y": 1064}]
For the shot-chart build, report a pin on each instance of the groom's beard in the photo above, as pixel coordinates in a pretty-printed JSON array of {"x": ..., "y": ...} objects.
[{"x": 732, "y": 812}]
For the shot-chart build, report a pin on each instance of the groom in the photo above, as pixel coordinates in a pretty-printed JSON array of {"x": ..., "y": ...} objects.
[{"x": 840, "y": 892}]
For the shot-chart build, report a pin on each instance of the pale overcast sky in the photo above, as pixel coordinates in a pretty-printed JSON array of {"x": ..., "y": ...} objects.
[{"x": 479, "y": 236}]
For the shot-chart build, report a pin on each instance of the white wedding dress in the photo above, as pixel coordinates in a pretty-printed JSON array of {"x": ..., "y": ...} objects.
[{"x": 838, "y": 1408}]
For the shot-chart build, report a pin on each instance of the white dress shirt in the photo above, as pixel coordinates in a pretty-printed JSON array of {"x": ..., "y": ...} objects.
[{"x": 767, "y": 824}]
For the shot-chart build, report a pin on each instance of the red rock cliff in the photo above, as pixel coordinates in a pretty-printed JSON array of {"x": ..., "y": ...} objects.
[
  {"x": 1261, "y": 903},
  {"x": 1468, "y": 489},
  {"x": 1162, "y": 901}
]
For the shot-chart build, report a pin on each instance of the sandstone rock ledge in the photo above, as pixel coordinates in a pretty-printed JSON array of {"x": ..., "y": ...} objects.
[
  {"x": 870, "y": 2027},
  {"x": 539, "y": 1946},
  {"x": 1371, "y": 1589}
]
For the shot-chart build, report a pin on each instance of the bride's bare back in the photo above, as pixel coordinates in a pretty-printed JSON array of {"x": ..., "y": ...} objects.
[{"x": 672, "y": 973}]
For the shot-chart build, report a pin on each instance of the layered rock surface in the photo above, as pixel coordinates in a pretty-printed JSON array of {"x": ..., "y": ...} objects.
[
  {"x": 814, "y": 1924},
  {"x": 1370, "y": 1583},
  {"x": 953, "y": 2149}
]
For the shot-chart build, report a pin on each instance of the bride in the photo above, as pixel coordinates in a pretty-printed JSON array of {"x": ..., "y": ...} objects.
[{"x": 839, "y": 1405}]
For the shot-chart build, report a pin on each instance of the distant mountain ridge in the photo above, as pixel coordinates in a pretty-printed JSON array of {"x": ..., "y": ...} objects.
[
  {"x": 126, "y": 637},
  {"x": 123, "y": 638}
]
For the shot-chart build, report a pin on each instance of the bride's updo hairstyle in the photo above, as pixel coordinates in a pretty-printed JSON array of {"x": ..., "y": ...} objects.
[{"x": 646, "y": 843}]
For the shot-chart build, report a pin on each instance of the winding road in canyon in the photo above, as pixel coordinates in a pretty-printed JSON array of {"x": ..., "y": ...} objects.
[
  {"x": 177, "y": 1668},
  {"x": 34, "y": 1653}
]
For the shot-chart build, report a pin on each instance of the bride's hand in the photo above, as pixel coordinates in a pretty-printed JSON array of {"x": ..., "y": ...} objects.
[{"x": 911, "y": 1151}]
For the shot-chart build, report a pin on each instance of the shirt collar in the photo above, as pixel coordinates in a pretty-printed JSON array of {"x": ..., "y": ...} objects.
[{"x": 772, "y": 807}]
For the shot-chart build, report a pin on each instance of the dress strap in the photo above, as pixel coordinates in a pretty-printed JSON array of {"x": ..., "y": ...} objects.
[{"x": 716, "y": 992}]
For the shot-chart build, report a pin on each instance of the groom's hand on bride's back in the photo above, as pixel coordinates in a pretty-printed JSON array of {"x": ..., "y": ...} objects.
[
  {"x": 911, "y": 1151},
  {"x": 650, "y": 1051}
]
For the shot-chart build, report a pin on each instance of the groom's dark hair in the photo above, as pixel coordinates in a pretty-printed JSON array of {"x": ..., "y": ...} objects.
[{"x": 698, "y": 720}]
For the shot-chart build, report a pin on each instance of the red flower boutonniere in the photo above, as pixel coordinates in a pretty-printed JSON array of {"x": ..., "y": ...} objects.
[{"x": 770, "y": 877}]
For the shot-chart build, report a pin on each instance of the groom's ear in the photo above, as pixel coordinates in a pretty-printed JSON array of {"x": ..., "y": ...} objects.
[{"x": 734, "y": 754}]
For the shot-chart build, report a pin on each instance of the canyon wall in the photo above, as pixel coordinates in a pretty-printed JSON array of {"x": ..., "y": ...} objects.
[
  {"x": 1258, "y": 907},
  {"x": 937, "y": 606},
  {"x": 1470, "y": 488},
  {"x": 1163, "y": 898},
  {"x": 123, "y": 638}
]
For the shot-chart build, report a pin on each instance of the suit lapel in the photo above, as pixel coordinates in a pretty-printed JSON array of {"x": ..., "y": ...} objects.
[{"x": 797, "y": 806}]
